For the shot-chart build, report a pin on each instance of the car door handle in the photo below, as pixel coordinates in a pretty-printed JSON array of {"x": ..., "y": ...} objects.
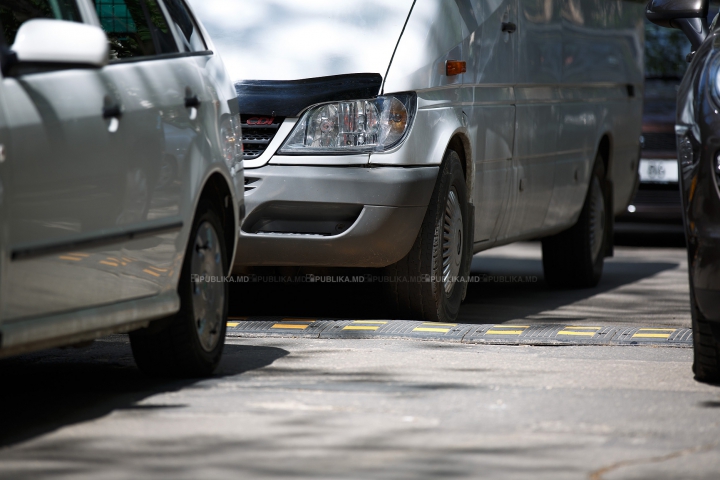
[
  {"x": 509, "y": 27},
  {"x": 191, "y": 101},
  {"x": 112, "y": 111}
]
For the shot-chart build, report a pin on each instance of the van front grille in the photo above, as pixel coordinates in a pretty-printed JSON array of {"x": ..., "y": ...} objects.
[{"x": 257, "y": 132}]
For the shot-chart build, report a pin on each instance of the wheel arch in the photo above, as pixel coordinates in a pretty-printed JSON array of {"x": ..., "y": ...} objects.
[
  {"x": 460, "y": 144},
  {"x": 218, "y": 192}
]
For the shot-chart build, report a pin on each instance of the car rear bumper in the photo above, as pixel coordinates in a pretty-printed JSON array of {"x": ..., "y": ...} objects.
[{"x": 332, "y": 216}]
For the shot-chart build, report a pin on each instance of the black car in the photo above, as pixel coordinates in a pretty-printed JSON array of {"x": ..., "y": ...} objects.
[{"x": 698, "y": 139}]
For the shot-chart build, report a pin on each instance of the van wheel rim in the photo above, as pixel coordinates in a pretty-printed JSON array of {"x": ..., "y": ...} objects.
[
  {"x": 452, "y": 241},
  {"x": 208, "y": 292},
  {"x": 597, "y": 219}
]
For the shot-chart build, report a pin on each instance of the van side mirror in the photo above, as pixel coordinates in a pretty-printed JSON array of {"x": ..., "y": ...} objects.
[
  {"x": 690, "y": 16},
  {"x": 42, "y": 43}
]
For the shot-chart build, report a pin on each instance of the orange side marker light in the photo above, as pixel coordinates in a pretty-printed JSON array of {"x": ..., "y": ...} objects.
[{"x": 454, "y": 67}]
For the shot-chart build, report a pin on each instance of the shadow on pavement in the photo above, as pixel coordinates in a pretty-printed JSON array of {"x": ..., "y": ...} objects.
[
  {"x": 650, "y": 239},
  {"x": 486, "y": 301},
  {"x": 326, "y": 299},
  {"x": 48, "y": 390},
  {"x": 508, "y": 294}
]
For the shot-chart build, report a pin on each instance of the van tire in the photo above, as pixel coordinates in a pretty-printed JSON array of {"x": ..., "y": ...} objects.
[
  {"x": 706, "y": 348},
  {"x": 184, "y": 345},
  {"x": 416, "y": 289},
  {"x": 574, "y": 258}
]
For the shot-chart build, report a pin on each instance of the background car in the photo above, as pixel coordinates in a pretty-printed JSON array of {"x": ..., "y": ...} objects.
[
  {"x": 655, "y": 206},
  {"x": 121, "y": 180}
]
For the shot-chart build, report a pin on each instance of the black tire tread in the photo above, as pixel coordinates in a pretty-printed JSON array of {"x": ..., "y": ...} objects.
[
  {"x": 417, "y": 300},
  {"x": 567, "y": 255}
]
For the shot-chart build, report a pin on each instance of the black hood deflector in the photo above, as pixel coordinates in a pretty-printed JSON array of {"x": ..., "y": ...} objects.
[{"x": 288, "y": 98}]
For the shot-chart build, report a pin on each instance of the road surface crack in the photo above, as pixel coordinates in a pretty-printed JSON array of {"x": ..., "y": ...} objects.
[{"x": 598, "y": 474}]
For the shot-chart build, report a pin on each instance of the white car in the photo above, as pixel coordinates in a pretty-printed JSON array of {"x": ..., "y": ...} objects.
[
  {"x": 407, "y": 135},
  {"x": 121, "y": 180}
]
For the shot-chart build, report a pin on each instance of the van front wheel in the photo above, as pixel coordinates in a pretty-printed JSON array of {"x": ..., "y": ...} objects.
[{"x": 430, "y": 282}]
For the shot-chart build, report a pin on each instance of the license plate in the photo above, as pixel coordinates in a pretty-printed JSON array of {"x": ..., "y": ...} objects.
[{"x": 658, "y": 171}]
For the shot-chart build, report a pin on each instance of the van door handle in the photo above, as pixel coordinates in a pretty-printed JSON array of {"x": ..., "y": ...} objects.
[{"x": 509, "y": 27}]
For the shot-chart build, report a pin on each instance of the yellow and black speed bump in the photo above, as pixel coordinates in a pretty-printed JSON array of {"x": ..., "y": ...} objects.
[
  {"x": 275, "y": 326},
  {"x": 503, "y": 334}
]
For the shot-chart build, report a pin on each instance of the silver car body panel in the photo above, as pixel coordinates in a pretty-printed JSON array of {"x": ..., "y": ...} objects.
[
  {"x": 96, "y": 217},
  {"x": 78, "y": 326},
  {"x": 530, "y": 112},
  {"x": 351, "y": 216}
]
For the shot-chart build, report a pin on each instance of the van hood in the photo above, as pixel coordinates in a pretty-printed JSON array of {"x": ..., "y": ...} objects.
[{"x": 291, "y": 39}]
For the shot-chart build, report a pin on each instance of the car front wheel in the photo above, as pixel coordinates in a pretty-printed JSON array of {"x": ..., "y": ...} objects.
[{"x": 190, "y": 343}]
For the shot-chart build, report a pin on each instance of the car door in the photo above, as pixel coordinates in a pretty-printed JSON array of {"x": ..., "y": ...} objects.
[
  {"x": 160, "y": 96},
  {"x": 98, "y": 215},
  {"x": 193, "y": 72},
  {"x": 64, "y": 181}
]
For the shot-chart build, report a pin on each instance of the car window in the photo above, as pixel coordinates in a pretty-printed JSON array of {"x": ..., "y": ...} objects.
[
  {"x": 15, "y": 13},
  {"x": 135, "y": 28},
  {"x": 187, "y": 28}
]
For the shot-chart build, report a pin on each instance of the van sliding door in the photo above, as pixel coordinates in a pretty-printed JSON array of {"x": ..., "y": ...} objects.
[
  {"x": 537, "y": 94},
  {"x": 491, "y": 74}
]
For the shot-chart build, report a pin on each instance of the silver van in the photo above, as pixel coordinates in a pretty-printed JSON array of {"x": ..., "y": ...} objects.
[
  {"x": 120, "y": 180},
  {"x": 410, "y": 134}
]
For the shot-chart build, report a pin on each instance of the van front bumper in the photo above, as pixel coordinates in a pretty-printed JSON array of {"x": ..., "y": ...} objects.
[{"x": 332, "y": 216}]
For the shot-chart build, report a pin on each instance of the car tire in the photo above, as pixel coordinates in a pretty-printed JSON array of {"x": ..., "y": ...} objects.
[
  {"x": 574, "y": 258},
  {"x": 706, "y": 348},
  {"x": 430, "y": 282},
  {"x": 190, "y": 343}
]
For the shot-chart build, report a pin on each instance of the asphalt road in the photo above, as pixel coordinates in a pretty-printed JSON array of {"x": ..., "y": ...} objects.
[{"x": 284, "y": 407}]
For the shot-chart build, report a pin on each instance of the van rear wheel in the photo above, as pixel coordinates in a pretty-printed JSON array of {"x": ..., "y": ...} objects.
[
  {"x": 574, "y": 258},
  {"x": 430, "y": 282}
]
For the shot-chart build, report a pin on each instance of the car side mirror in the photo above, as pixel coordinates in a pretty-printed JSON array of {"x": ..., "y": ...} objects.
[
  {"x": 690, "y": 16},
  {"x": 57, "y": 43}
]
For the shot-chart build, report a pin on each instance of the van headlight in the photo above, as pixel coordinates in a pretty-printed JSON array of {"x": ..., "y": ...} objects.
[{"x": 352, "y": 126}]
